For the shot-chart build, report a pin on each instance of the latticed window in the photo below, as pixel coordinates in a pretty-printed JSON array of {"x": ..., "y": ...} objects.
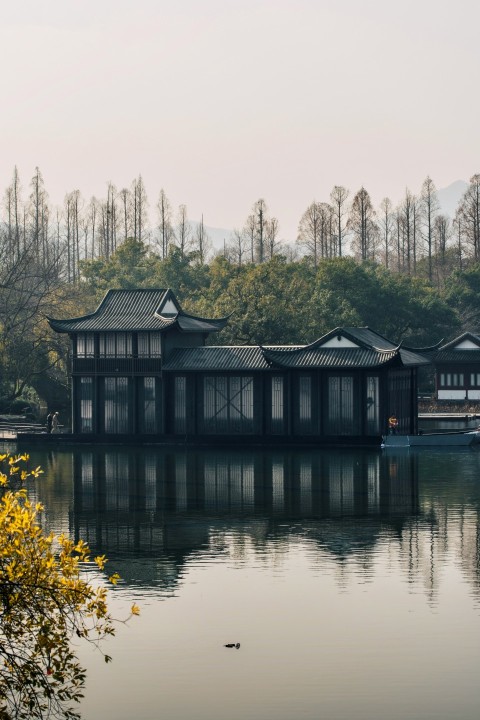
[
  {"x": 228, "y": 404},
  {"x": 116, "y": 409},
  {"x": 305, "y": 398},
  {"x": 180, "y": 408},
  {"x": 149, "y": 344},
  {"x": 115, "y": 345},
  {"x": 277, "y": 404},
  {"x": 86, "y": 404},
  {"x": 85, "y": 345},
  {"x": 341, "y": 406},
  {"x": 452, "y": 379}
]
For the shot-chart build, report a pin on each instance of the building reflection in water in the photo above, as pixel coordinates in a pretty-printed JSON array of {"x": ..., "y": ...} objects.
[
  {"x": 168, "y": 506},
  {"x": 289, "y": 485}
]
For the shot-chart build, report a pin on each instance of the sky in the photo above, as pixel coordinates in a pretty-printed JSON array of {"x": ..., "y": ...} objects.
[{"x": 223, "y": 102}]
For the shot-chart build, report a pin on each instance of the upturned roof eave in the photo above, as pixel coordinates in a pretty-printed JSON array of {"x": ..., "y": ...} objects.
[
  {"x": 464, "y": 336},
  {"x": 280, "y": 360},
  {"x": 107, "y": 322}
]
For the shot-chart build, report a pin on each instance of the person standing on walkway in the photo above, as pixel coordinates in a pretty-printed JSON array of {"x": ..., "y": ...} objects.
[
  {"x": 49, "y": 422},
  {"x": 392, "y": 424},
  {"x": 55, "y": 422}
]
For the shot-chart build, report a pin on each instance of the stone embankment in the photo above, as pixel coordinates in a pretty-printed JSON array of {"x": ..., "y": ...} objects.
[{"x": 11, "y": 425}]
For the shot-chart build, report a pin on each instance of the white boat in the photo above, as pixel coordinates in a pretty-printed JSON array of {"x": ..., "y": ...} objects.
[{"x": 440, "y": 439}]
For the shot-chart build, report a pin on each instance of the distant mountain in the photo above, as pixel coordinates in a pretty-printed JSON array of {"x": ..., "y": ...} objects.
[
  {"x": 449, "y": 197},
  {"x": 217, "y": 236}
]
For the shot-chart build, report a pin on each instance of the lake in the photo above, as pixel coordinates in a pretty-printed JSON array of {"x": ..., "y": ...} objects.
[{"x": 349, "y": 578}]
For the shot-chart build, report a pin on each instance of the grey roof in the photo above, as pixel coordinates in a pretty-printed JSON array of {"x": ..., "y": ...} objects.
[
  {"x": 314, "y": 356},
  {"x": 457, "y": 357},
  {"x": 448, "y": 354},
  {"x": 130, "y": 310},
  {"x": 362, "y": 335},
  {"x": 218, "y": 358},
  {"x": 373, "y": 350},
  {"x": 465, "y": 336},
  {"x": 331, "y": 358}
]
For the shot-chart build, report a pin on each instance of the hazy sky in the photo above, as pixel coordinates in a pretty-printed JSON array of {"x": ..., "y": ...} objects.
[{"x": 221, "y": 102}]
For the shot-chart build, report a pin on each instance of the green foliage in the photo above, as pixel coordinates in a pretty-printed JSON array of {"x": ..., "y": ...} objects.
[
  {"x": 44, "y": 601},
  {"x": 398, "y": 306},
  {"x": 462, "y": 292},
  {"x": 131, "y": 266},
  {"x": 264, "y": 300},
  {"x": 28, "y": 346},
  {"x": 278, "y": 302}
]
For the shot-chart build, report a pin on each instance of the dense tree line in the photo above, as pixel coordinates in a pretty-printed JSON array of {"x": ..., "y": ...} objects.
[{"x": 407, "y": 271}]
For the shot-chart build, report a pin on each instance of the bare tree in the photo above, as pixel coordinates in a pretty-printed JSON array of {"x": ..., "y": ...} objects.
[
  {"x": 386, "y": 227},
  {"x": 69, "y": 243},
  {"x": 140, "y": 208},
  {"x": 27, "y": 295},
  {"x": 237, "y": 247},
  {"x": 125, "y": 203},
  {"x": 271, "y": 234},
  {"x": 8, "y": 205},
  {"x": 92, "y": 212},
  {"x": 317, "y": 231},
  {"x": 409, "y": 216},
  {"x": 201, "y": 242},
  {"x": 310, "y": 231},
  {"x": 109, "y": 220},
  {"x": 429, "y": 209},
  {"x": 250, "y": 232},
  {"x": 38, "y": 214},
  {"x": 165, "y": 227},
  {"x": 85, "y": 228},
  {"x": 338, "y": 197},
  {"x": 470, "y": 210},
  {"x": 362, "y": 224},
  {"x": 13, "y": 205},
  {"x": 184, "y": 231},
  {"x": 458, "y": 227},
  {"x": 262, "y": 232},
  {"x": 441, "y": 231},
  {"x": 261, "y": 219}
]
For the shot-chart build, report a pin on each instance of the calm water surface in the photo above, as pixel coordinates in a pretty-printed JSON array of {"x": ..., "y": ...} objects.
[{"x": 351, "y": 580}]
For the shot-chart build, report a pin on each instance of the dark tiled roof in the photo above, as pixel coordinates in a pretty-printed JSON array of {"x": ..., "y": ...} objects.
[
  {"x": 363, "y": 335},
  {"x": 129, "y": 310},
  {"x": 331, "y": 358},
  {"x": 372, "y": 350},
  {"x": 211, "y": 357},
  {"x": 462, "y": 356},
  {"x": 455, "y": 357},
  {"x": 314, "y": 356},
  {"x": 466, "y": 336},
  {"x": 343, "y": 358}
]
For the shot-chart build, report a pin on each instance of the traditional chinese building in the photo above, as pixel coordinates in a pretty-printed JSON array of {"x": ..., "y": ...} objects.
[
  {"x": 140, "y": 367},
  {"x": 457, "y": 369}
]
